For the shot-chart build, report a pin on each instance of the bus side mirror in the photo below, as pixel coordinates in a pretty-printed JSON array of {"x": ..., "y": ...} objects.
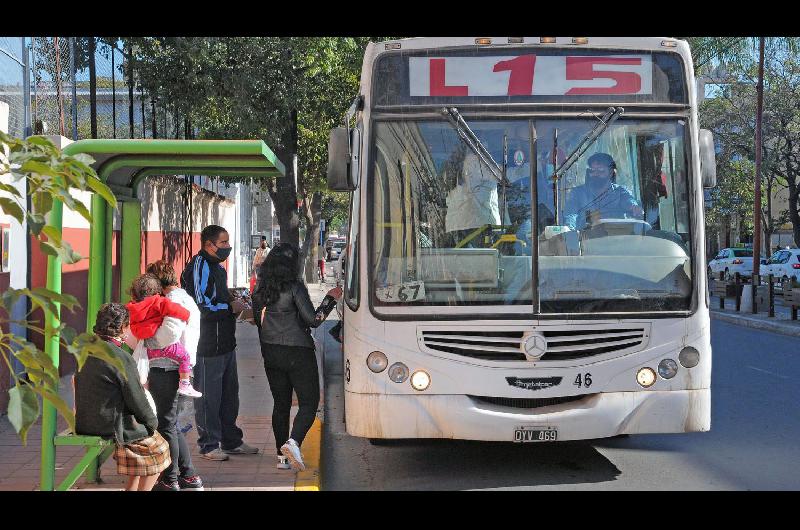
[
  {"x": 708, "y": 159},
  {"x": 344, "y": 146}
]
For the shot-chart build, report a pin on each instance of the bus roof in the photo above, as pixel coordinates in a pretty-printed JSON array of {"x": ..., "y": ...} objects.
[{"x": 635, "y": 43}]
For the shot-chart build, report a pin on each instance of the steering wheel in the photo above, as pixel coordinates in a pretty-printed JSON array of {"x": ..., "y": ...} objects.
[{"x": 623, "y": 226}]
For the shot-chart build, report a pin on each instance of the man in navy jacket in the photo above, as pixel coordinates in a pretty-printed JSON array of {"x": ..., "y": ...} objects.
[{"x": 215, "y": 374}]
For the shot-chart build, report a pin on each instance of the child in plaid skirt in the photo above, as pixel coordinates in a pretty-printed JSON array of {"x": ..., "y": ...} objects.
[{"x": 112, "y": 405}]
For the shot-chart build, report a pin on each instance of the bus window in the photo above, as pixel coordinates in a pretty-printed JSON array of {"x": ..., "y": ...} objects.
[
  {"x": 352, "y": 253},
  {"x": 446, "y": 230},
  {"x": 620, "y": 236}
]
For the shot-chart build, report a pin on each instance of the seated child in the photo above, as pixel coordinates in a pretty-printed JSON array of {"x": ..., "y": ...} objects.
[{"x": 147, "y": 312}]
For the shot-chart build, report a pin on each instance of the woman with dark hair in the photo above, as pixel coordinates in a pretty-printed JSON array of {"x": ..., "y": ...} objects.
[
  {"x": 282, "y": 305},
  {"x": 112, "y": 406},
  {"x": 163, "y": 380}
]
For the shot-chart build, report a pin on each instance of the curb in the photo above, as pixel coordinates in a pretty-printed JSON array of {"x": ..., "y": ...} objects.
[
  {"x": 755, "y": 323},
  {"x": 308, "y": 480}
]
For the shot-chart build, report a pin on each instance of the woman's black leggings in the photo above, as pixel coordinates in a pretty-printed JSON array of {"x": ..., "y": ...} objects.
[
  {"x": 164, "y": 389},
  {"x": 291, "y": 368}
]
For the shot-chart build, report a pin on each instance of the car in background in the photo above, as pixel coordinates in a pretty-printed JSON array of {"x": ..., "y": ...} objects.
[
  {"x": 329, "y": 244},
  {"x": 729, "y": 261},
  {"x": 784, "y": 265},
  {"x": 336, "y": 249}
]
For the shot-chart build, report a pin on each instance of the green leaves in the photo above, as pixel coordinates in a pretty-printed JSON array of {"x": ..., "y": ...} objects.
[
  {"x": 50, "y": 176},
  {"x": 10, "y": 189},
  {"x": 67, "y": 300},
  {"x": 23, "y": 409},
  {"x": 97, "y": 186},
  {"x": 86, "y": 345},
  {"x": 42, "y": 202},
  {"x": 63, "y": 251},
  {"x": 10, "y": 207},
  {"x": 38, "y": 365}
]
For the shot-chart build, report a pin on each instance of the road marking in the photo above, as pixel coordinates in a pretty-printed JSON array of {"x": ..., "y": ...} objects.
[
  {"x": 766, "y": 372},
  {"x": 309, "y": 480}
]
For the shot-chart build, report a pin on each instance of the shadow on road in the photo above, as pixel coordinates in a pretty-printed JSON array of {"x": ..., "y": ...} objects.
[
  {"x": 350, "y": 463},
  {"x": 460, "y": 464}
]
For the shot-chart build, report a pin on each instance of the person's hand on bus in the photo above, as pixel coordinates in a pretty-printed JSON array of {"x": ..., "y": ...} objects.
[{"x": 336, "y": 292}]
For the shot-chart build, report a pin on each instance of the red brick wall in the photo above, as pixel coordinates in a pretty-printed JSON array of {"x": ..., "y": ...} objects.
[
  {"x": 158, "y": 245},
  {"x": 75, "y": 281}
]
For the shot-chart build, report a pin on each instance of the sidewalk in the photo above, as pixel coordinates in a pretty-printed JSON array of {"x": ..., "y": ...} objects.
[
  {"x": 780, "y": 323},
  {"x": 19, "y": 464}
]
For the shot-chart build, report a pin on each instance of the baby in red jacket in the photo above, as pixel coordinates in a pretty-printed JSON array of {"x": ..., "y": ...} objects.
[{"x": 147, "y": 312}]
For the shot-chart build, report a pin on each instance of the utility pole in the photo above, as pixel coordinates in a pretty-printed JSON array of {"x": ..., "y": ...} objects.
[{"x": 757, "y": 205}]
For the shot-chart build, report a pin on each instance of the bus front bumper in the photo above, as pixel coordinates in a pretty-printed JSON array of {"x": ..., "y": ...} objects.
[{"x": 463, "y": 417}]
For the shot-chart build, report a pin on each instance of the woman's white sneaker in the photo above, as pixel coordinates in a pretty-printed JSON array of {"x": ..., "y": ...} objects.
[
  {"x": 291, "y": 451},
  {"x": 283, "y": 463}
]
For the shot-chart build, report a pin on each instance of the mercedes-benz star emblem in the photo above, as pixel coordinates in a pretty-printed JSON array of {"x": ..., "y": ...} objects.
[{"x": 534, "y": 346}]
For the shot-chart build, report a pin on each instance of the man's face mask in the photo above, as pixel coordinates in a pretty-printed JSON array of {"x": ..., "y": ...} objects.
[
  {"x": 598, "y": 175},
  {"x": 223, "y": 252}
]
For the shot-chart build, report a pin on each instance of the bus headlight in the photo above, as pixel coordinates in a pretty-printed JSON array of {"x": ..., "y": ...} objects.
[
  {"x": 689, "y": 357},
  {"x": 646, "y": 377},
  {"x": 377, "y": 361},
  {"x": 667, "y": 368},
  {"x": 420, "y": 380},
  {"x": 398, "y": 372}
]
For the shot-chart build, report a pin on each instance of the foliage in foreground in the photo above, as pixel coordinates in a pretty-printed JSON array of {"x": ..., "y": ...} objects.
[{"x": 50, "y": 176}]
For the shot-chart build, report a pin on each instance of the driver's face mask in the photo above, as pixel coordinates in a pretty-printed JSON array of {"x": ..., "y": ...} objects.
[{"x": 598, "y": 175}]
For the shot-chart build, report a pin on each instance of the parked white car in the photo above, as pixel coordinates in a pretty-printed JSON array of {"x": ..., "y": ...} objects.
[
  {"x": 783, "y": 265},
  {"x": 730, "y": 261},
  {"x": 336, "y": 249}
]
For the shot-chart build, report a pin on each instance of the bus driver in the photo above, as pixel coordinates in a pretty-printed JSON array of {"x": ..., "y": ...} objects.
[{"x": 599, "y": 197}]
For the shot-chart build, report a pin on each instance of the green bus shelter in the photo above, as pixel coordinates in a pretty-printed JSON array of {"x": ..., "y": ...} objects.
[{"x": 122, "y": 165}]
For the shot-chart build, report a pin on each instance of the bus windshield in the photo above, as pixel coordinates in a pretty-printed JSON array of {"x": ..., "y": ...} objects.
[{"x": 610, "y": 234}]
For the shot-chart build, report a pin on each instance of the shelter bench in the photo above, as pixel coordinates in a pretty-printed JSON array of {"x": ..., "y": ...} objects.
[{"x": 97, "y": 451}]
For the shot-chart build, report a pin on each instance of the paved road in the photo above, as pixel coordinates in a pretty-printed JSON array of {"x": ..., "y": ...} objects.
[{"x": 753, "y": 443}]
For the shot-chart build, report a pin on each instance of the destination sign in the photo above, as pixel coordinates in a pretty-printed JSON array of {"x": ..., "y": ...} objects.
[
  {"x": 530, "y": 75},
  {"x": 527, "y": 75}
]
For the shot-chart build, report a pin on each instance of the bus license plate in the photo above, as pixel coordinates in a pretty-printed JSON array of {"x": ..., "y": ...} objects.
[{"x": 535, "y": 434}]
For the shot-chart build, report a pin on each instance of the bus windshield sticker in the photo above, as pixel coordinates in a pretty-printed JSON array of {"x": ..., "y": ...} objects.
[
  {"x": 405, "y": 292},
  {"x": 531, "y": 75}
]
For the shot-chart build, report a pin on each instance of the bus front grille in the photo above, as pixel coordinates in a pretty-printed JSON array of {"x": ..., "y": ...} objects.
[
  {"x": 527, "y": 403},
  {"x": 486, "y": 345},
  {"x": 564, "y": 343},
  {"x": 579, "y": 343}
]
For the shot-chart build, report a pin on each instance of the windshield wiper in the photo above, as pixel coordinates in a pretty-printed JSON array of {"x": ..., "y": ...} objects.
[
  {"x": 472, "y": 141},
  {"x": 605, "y": 120}
]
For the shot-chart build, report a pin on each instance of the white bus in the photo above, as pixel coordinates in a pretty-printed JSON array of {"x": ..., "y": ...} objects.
[{"x": 526, "y": 258}]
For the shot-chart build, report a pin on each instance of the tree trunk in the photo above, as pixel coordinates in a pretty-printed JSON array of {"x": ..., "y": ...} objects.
[
  {"x": 153, "y": 117},
  {"x": 794, "y": 215},
  {"x": 769, "y": 221},
  {"x": 284, "y": 194},
  {"x": 728, "y": 233},
  {"x": 92, "y": 87},
  {"x": 312, "y": 213}
]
